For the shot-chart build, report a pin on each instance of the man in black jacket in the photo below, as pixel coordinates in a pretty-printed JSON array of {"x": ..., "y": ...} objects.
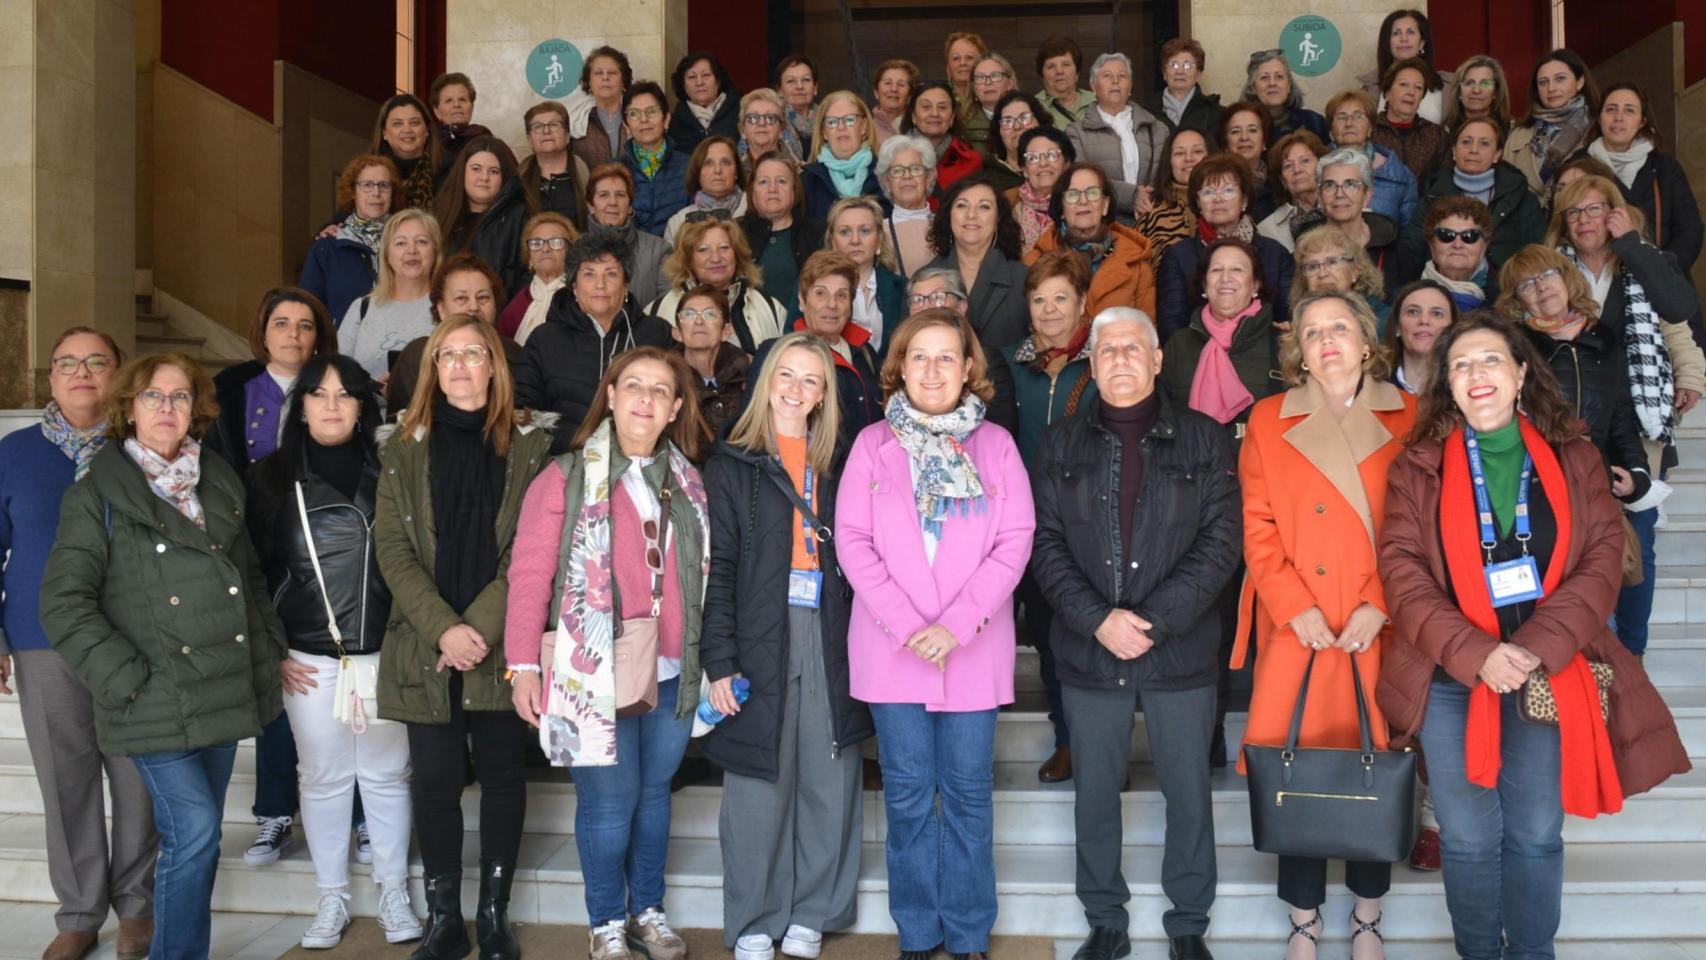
[{"x": 1139, "y": 527}]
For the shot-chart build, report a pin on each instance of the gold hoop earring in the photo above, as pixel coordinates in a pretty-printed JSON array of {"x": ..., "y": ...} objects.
[{"x": 1305, "y": 367}]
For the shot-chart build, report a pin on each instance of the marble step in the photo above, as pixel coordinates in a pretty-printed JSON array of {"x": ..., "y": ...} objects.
[{"x": 1613, "y": 891}]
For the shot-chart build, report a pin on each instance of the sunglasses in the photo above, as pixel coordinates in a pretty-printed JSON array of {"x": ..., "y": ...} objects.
[{"x": 1447, "y": 235}]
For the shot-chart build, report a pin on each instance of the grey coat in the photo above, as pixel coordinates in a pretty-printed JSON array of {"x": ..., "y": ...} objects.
[{"x": 1096, "y": 142}]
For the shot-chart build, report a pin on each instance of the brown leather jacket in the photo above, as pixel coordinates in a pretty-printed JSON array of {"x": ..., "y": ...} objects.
[{"x": 1428, "y": 628}]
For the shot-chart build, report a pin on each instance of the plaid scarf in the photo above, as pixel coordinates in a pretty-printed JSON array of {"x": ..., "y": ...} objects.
[
  {"x": 80, "y": 445},
  {"x": 1652, "y": 383}
]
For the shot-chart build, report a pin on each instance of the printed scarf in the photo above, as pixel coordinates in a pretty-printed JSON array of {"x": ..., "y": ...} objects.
[
  {"x": 79, "y": 445},
  {"x": 579, "y": 725},
  {"x": 1557, "y": 134},
  {"x": 1244, "y": 229},
  {"x": 173, "y": 481},
  {"x": 1032, "y": 214},
  {"x": 362, "y": 230},
  {"x": 649, "y": 161},
  {"x": 947, "y": 479}
]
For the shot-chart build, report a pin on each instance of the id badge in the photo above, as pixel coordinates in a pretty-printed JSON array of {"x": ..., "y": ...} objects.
[
  {"x": 805, "y": 588},
  {"x": 1514, "y": 581}
]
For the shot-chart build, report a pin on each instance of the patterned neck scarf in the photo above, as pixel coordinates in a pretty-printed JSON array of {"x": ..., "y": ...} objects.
[
  {"x": 1244, "y": 229},
  {"x": 362, "y": 230},
  {"x": 732, "y": 202},
  {"x": 173, "y": 481},
  {"x": 1652, "y": 379},
  {"x": 649, "y": 161},
  {"x": 947, "y": 479},
  {"x": 1032, "y": 214},
  {"x": 79, "y": 445},
  {"x": 1557, "y": 133}
]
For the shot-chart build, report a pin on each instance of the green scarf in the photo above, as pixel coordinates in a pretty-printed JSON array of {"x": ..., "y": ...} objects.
[{"x": 1501, "y": 462}]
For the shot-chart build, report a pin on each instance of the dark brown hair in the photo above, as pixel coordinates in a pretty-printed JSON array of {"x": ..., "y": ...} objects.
[
  {"x": 1540, "y": 400},
  {"x": 608, "y": 171},
  {"x": 1383, "y": 51},
  {"x": 1647, "y": 130},
  {"x": 687, "y": 431},
  {"x": 454, "y": 79},
  {"x": 325, "y": 331},
  {"x": 1069, "y": 264},
  {"x": 1458, "y": 206},
  {"x": 977, "y": 378},
  {"x": 1264, "y": 292},
  {"x": 702, "y": 152},
  {"x": 1246, "y": 106},
  {"x": 1579, "y": 67},
  {"x": 1178, "y": 45},
  {"x": 1430, "y": 76},
  {"x": 379, "y": 146},
  {"x": 613, "y": 54},
  {"x": 1057, "y": 199},
  {"x": 464, "y": 262},
  {"x": 1052, "y": 47},
  {"x": 352, "y": 173},
  {"x": 451, "y": 204},
  {"x": 134, "y": 377},
  {"x": 1219, "y": 166},
  {"x": 1007, "y": 237},
  {"x": 1276, "y": 158}
]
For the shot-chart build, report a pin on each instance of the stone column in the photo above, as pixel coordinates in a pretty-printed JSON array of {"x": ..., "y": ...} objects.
[{"x": 489, "y": 40}]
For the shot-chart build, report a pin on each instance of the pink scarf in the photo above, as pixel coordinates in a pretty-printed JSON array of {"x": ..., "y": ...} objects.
[
  {"x": 1032, "y": 214},
  {"x": 1216, "y": 389}
]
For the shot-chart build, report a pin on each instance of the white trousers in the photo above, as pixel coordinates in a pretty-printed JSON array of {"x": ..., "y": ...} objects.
[{"x": 331, "y": 760}]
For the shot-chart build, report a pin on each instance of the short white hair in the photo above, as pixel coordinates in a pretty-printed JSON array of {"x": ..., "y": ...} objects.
[
  {"x": 1105, "y": 59},
  {"x": 1346, "y": 157},
  {"x": 906, "y": 141},
  {"x": 1113, "y": 315}
]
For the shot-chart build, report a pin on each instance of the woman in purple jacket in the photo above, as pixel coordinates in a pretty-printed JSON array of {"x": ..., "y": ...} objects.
[{"x": 934, "y": 523}]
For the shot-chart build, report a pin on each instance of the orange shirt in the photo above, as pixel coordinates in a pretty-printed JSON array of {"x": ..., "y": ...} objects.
[{"x": 793, "y": 451}]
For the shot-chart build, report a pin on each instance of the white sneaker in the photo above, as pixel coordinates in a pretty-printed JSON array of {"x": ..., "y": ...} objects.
[
  {"x": 755, "y": 946},
  {"x": 802, "y": 942},
  {"x": 397, "y": 915},
  {"x": 273, "y": 837},
  {"x": 609, "y": 942},
  {"x": 363, "y": 844},
  {"x": 330, "y": 921}
]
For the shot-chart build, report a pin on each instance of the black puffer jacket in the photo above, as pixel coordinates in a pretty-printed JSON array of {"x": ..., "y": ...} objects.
[
  {"x": 565, "y": 358},
  {"x": 343, "y": 537},
  {"x": 496, "y": 236},
  {"x": 1189, "y": 538},
  {"x": 1593, "y": 376},
  {"x": 746, "y": 611}
]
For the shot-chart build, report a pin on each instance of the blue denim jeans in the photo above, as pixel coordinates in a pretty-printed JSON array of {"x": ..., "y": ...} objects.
[
  {"x": 1635, "y": 604},
  {"x": 1503, "y": 848},
  {"x": 622, "y": 812},
  {"x": 941, "y": 865},
  {"x": 188, "y": 788}
]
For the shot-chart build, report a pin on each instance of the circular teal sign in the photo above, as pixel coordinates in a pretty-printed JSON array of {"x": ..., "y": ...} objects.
[
  {"x": 554, "y": 68},
  {"x": 1311, "y": 44}
]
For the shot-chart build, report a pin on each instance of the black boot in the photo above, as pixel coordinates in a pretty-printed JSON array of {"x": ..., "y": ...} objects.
[
  {"x": 446, "y": 935},
  {"x": 491, "y": 920}
]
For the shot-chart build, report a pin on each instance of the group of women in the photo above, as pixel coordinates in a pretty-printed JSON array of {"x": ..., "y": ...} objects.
[{"x": 686, "y": 410}]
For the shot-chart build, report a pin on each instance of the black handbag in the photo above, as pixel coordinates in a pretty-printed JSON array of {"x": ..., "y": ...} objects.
[{"x": 1332, "y": 803}]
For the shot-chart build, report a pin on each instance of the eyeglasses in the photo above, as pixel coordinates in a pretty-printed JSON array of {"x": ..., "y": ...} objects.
[
  {"x": 1017, "y": 120},
  {"x": 1533, "y": 283},
  {"x": 940, "y": 298},
  {"x": 1447, "y": 235},
  {"x": 907, "y": 171},
  {"x": 1346, "y": 116},
  {"x": 470, "y": 357},
  {"x": 1181, "y": 64},
  {"x": 1046, "y": 156},
  {"x": 985, "y": 79},
  {"x": 645, "y": 113},
  {"x": 1218, "y": 193},
  {"x": 1593, "y": 211},
  {"x": 546, "y": 126},
  {"x": 1086, "y": 195},
  {"x": 97, "y": 364},
  {"x": 763, "y": 119},
  {"x": 1486, "y": 84},
  {"x": 154, "y": 399},
  {"x": 1312, "y": 268},
  {"x": 706, "y": 315},
  {"x": 836, "y": 123},
  {"x": 1341, "y": 186},
  {"x": 537, "y": 244},
  {"x": 373, "y": 186},
  {"x": 700, "y": 216}
]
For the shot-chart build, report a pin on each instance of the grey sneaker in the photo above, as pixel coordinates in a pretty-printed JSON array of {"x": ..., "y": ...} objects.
[
  {"x": 330, "y": 921},
  {"x": 609, "y": 942},
  {"x": 397, "y": 915},
  {"x": 273, "y": 837},
  {"x": 363, "y": 844},
  {"x": 651, "y": 932}
]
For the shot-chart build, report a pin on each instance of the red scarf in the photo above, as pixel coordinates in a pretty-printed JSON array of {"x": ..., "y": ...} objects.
[{"x": 1588, "y": 783}]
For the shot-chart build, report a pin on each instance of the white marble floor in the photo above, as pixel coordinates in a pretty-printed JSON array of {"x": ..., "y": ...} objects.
[{"x": 267, "y": 936}]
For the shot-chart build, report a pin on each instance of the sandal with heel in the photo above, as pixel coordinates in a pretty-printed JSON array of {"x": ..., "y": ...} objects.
[
  {"x": 1370, "y": 926},
  {"x": 1302, "y": 929}
]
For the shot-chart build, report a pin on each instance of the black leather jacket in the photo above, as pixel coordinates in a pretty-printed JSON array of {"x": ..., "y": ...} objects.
[
  {"x": 1188, "y": 531},
  {"x": 343, "y": 536},
  {"x": 1593, "y": 376}
]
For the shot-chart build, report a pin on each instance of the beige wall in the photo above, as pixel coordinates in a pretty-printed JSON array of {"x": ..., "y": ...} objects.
[
  {"x": 323, "y": 126},
  {"x": 1240, "y": 27},
  {"x": 17, "y": 148},
  {"x": 489, "y": 40}
]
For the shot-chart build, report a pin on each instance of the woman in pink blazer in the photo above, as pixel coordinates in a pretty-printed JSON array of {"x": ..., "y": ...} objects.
[{"x": 933, "y": 524}]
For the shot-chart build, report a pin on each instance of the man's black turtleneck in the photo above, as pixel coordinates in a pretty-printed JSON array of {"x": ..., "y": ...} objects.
[{"x": 1131, "y": 424}]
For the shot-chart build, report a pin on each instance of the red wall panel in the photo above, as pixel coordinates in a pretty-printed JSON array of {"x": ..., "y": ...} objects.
[
  {"x": 738, "y": 32},
  {"x": 227, "y": 47},
  {"x": 1517, "y": 32},
  {"x": 350, "y": 44}
]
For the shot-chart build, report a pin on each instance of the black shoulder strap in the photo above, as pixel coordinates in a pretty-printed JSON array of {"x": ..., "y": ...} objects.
[
  {"x": 366, "y": 302},
  {"x": 822, "y": 532}
]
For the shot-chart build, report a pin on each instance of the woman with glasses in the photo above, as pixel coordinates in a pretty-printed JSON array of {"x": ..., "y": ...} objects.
[
  {"x": 932, "y": 115},
  {"x": 463, "y": 283},
  {"x": 155, "y": 599},
  {"x": 1060, "y": 66},
  {"x": 343, "y": 266},
  {"x": 855, "y": 230},
  {"x": 1291, "y": 174},
  {"x": 550, "y": 171},
  {"x": 1044, "y": 154},
  {"x": 1459, "y": 231},
  {"x": 1393, "y": 192},
  {"x": 1328, "y": 260},
  {"x": 1015, "y": 114},
  {"x": 1478, "y": 170},
  {"x": 843, "y": 155},
  {"x": 991, "y": 79},
  {"x": 1119, "y": 135},
  {"x": 713, "y": 183},
  {"x": 777, "y": 230},
  {"x": 1345, "y": 179},
  {"x": 89, "y": 875},
  {"x": 1478, "y": 90},
  {"x": 714, "y": 251},
  {"x": 1220, "y": 188},
  {"x": 906, "y": 168},
  {"x": 699, "y": 325},
  {"x": 762, "y": 117},
  {"x": 705, "y": 102},
  {"x": 658, "y": 166},
  {"x": 600, "y": 137},
  {"x": 1164, "y": 215},
  {"x": 1181, "y": 101},
  {"x": 546, "y": 240},
  {"x": 895, "y": 81},
  {"x": 448, "y": 506},
  {"x": 1122, "y": 272}
]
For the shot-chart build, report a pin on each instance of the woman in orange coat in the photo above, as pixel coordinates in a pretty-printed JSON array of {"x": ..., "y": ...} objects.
[{"x": 1313, "y": 469}]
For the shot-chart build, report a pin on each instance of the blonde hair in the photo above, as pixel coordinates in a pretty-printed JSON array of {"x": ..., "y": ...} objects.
[
  {"x": 540, "y": 219},
  {"x": 1367, "y": 281},
  {"x": 885, "y": 247},
  {"x": 1532, "y": 261},
  {"x": 387, "y": 285},
  {"x": 823, "y": 110},
  {"x": 755, "y": 431},
  {"x": 500, "y": 391},
  {"x": 679, "y": 267},
  {"x": 1378, "y": 363},
  {"x": 1558, "y": 230}
]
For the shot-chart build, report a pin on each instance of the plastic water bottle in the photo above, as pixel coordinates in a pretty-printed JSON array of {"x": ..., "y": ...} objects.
[{"x": 708, "y": 716}]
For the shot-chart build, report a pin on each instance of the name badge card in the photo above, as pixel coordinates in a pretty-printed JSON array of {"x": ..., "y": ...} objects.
[
  {"x": 1514, "y": 581},
  {"x": 805, "y": 588}
]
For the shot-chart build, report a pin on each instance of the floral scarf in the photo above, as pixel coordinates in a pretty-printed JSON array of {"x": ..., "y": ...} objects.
[
  {"x": 579, "y": 726},
  {"x": 649, "y": 162},
  {"x": 1032, "y": 214},
  {"x": 362, "y": 230},
  {"x": 173, "y": 481},
  {"x": 1244, "y": 229},
  {"x": 79, "y": 445},
  {"x": 936, "y": 444}
]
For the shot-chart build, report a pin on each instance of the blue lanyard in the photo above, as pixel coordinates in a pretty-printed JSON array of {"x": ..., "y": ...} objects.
[
  {"x": 1484, "y": 503},
  {"x": 811, "y": 536}
]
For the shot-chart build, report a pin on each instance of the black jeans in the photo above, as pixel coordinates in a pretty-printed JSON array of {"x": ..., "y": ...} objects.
[
  {"x": 1037, "y": 618},
  {"x": 1303, "y": 880},
  {"x": 439, "y": 755}
]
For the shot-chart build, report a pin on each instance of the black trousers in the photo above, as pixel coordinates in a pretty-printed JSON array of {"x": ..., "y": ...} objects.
[
  {"x": 1303, "y": 880},
  {"x": 439, "y": 756}
]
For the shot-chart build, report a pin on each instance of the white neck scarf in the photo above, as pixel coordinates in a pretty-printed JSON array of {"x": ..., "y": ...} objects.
[
  {"x": 1626, "y": 163},
  {"x": 534, "y": 317},
  {"x": 1121, "y": 123}
]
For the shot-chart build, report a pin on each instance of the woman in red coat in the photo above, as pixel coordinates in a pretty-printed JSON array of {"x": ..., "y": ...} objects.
[
  {"x": 1499, "y": 458},
  {"x": 1313, "y": 467}
]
